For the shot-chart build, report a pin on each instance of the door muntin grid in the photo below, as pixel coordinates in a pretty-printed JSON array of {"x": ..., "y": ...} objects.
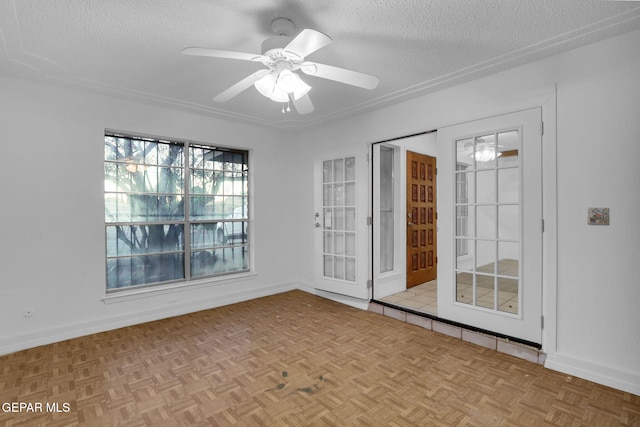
[
  {"x": 488, "y": 276},
  {"x": 339, "y": 219}
]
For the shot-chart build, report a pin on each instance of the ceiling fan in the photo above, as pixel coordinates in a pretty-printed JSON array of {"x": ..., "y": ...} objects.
[
  {"x": 283, "y": 55},
  {"x": 486, "y": 150}
]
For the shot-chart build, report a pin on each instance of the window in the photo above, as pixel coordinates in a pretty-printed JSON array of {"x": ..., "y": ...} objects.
[
  {"x": 462, "y": 210},
  {"x": 387, "y": 203},
  {"x": 174, "y": 211}
]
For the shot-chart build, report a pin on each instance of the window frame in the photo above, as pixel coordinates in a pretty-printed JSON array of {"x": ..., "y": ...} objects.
[{"x": 187, "y": 221}]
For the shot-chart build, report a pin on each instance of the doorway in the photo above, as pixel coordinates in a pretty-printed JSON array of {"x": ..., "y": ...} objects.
[
  {"x": 422, "y": 214},
  {"x": 405, "y": 222},
  {"x": 489, "y": 266}
]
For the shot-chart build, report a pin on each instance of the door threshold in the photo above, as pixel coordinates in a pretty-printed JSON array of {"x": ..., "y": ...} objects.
[{"x": 462, "y": 326}]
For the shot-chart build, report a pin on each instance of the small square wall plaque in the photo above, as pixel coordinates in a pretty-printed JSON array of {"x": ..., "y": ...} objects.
[{"x": 598, "y": 216}]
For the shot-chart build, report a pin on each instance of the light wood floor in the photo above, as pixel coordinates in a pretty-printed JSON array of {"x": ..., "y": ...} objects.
[{"x": 294, "y": 360}]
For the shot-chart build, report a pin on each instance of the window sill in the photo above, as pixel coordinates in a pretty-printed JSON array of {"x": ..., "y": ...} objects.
[{"x": 159, "y": 290}]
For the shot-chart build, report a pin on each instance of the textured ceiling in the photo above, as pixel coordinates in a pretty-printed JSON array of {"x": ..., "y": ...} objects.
[{"x": 132, "y": 48}]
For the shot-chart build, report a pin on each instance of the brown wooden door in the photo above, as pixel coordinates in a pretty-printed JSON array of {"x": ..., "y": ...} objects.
[{"x": 421, "y": 219}]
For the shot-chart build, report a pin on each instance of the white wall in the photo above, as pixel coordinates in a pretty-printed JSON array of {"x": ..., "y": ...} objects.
[
  {"x": 53, "y": 246},
  {"x": 594, "y": 333}
]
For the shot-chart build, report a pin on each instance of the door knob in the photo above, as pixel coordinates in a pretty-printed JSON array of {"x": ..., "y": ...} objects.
[{"x": 410, "y": 224}]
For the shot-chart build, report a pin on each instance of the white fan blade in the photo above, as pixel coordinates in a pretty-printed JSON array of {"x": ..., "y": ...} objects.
[
  {"x": 241, "y": 86},
  {"x": 307, "y": 42},
  {"x": 217, "y": 53},
  {"x": 303, "y": 104},
  {"x": 342, "y": 75}
]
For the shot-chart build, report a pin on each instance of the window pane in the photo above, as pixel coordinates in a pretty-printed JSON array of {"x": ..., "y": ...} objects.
[
  {"x": 207, "y": 207},
  {"x": 127, "y": 240},
  {"x": 350, "y": 219},
  {"x": 486, "y": 256},
  {"x": 327, "y": 197},
  {"x": 142, "y": 270},
  {"x": 508, "y": 259},
  {"x": 350, "y": 244},
  {"x": 338, "y": 195},
  {"x": 328, "y": 266},
  {"x": 486, "y": 222},
  {"x": 231, "y": 232},
  {"x": 338, "y": 219},
  {"x": 328, "y": 242},
  {"x": 145, "y": 186},
  {"x": 464, "y": 288},
  {"x": 151, "y": 153},
  {"x": 486, "y": 186},
  {"x": 338, "y": 170},
  {"x": 509, "y": 146},
  {"x": 464, "y": 152},
  {"x": 465, "y": 221},
  {"x": 508, "y": 186},
  {"x": 509, "y": 222},
  {"x": 485, "y": 151},
  {"x": 350, "y": 194},
  {"x": 219, "y": 261},
  {"x": 110, "y": 148},
  {"x": 142, "y": 208},
  {"x": 485, "y": 291},
  {"x": 327, "y": 171},
  {"x": 206, "y": 235},
  {"x": 350, "y": 269},
  {"x": 508, "y": 295},
  {"x": 338, "y": 267},
  {"x": 350, "y": 169}
]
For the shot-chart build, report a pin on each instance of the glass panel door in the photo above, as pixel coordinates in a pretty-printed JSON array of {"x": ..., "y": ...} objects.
[
  {"x": 341, "y": 264},
  {"x": 490, "y": 224},
  {"x": 339, "y": 218}
]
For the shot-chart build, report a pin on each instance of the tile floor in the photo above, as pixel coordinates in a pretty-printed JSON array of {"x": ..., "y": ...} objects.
[{"x": 423, "y": 298}]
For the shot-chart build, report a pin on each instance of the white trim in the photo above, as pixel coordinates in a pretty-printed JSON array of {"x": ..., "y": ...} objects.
[
  {"x": 155, "y": 290},
  {"x": 605, "y": 375},
  {"x": 69, "y": 331},
  {"x": 550, "y": 217},
  {"x": 545, "y": 97}
]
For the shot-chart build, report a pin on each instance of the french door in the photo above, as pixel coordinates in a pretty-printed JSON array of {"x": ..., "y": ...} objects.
[
  {"x": 341, "y": 237},
  {"x": 490, "y": 224}
]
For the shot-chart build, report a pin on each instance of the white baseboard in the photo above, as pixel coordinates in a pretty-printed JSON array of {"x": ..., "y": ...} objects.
[
  {"x": 65, "y": 332},
  {"x": 611, "y": 377}
]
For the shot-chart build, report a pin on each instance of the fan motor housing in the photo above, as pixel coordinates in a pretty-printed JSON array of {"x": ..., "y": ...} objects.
[{"x": 273, "y": 48}]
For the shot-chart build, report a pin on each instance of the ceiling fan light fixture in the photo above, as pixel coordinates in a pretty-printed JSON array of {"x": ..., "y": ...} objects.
[
  {"x": 278, "y": 85},
  {"x": 278, "y": 95},
  {"x": 266, "y": 84},
  {"x": 301, "y": 89},
  {"x": 287, "y": 81},
  {"x": 486, "y": 154}
]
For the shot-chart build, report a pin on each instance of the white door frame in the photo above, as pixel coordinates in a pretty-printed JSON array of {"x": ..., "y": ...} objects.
[
  {"x": 545, "y": 97},
  {"x": 525, "y": 321},
  {"x": 358, "y": 288}
]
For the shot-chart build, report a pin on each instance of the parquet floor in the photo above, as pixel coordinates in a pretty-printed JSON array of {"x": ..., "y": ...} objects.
[{"x": 295, "y": 359}]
